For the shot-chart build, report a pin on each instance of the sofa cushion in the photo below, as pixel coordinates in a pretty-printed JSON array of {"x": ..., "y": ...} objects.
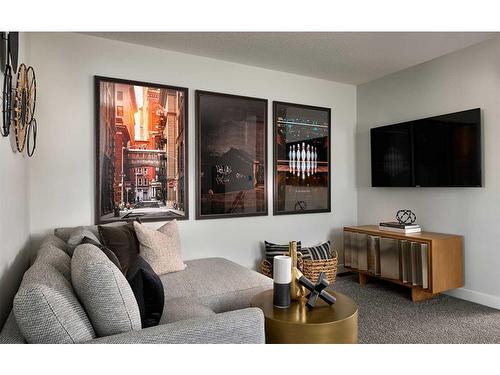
[
  {"x": 122, "y": 241},
  {"x": 218, "y": 283},
  {"x": 161, "y": 248},
  {"x": 57, "y": 242},
  {"x": 56, "y": 257},
  {"x": 47, "y": 310},
  {"x": 148, "y": 291},
  {"x": 182, "y": 309},
  {"x": 77, "y": 236},
  {"x": 11, "y": 334},
  {"x": 104, "y": 292},
  {"x": 63, "y": 233}
]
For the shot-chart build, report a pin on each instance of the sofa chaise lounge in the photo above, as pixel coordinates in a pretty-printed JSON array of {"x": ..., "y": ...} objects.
[{"x": 208, "y": 302}]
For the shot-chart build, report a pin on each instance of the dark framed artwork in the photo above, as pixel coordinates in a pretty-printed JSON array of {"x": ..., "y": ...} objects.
[
  {"x": 301, "y": 159},
  {"x": 231, "y": 173},
  {"x": 141, "y": 151}
]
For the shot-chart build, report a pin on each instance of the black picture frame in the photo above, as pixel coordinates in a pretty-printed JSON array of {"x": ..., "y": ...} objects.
[
  {"x": 282, "y": 174},
  {"x": 211, "y": 201},
  {"x": 162, "y": 186}
]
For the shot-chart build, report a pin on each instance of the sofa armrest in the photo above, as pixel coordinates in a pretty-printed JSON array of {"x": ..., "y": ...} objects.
[{"x": 244, "y": 326}]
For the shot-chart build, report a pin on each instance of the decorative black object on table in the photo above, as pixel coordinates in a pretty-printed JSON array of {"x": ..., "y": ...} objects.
[
  {"x": 317, "y": 290},
  {"x": 406, "y": 217}
]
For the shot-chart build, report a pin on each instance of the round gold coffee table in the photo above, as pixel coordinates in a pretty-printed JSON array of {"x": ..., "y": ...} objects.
[{"x": 336, "y": 324}]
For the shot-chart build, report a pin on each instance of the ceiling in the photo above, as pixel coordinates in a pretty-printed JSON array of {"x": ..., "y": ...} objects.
[{"x": 351, "y": 57}]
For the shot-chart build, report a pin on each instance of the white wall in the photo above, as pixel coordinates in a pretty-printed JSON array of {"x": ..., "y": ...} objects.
[
  {"x": 14, "y": 213},
  {"x": 466, "y": 79},
  {"x": 62, "y": 172}
]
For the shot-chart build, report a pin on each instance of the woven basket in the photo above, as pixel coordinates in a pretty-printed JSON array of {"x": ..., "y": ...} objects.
[{"x": 309, "y": 267}]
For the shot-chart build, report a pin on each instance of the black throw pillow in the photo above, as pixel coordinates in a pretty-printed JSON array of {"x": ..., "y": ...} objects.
[
  {"x": 148, "y": 291},
  {"x": 111, "y": 256},
  {"x": 122, "y": 241}
]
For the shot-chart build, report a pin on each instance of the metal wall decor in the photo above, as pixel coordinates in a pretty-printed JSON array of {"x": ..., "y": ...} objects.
[
  {"x": 6, "y": 101},
  {"x": 25, "y": 125},
  {"x": 3, "y": 51},
  {"x": 7, "y": 85},
  {"x": 13, "y": 48},
  {"x": 18, "y": 103}
]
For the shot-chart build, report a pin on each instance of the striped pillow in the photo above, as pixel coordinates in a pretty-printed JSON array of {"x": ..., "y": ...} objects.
[
  {"x": 273, "y": 250},
  {"x": 319, "y": 252}
]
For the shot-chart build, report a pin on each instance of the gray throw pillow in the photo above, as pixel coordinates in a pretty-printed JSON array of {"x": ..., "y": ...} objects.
[
  {"x": 57, "y": 242},
  {"x": 77, "y": 235},
  {"x": 47, "y": 310},
  {"x": 55, "y": 257},
  {"x": 104, "y": 292}
]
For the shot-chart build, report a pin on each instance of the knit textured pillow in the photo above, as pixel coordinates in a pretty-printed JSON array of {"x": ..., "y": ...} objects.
[
  {"x": 56, "y": 257},
  {"x": 76, "y": 237},
  {"x": 161, "y": 248},
  {"x": 111, "y": 256},
  {"x": 47, "y": 310},
  {"x": 57, "y": 242},
  {"x": 104, "y": 292}
]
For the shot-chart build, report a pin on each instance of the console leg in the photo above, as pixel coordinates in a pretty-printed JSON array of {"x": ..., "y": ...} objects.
[
  {"x": 362, "y": 279},
  {"x": 418, "y": 295}
]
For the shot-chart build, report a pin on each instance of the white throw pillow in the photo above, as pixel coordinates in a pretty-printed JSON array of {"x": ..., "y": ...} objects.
[{"x": 161, "y": 248}]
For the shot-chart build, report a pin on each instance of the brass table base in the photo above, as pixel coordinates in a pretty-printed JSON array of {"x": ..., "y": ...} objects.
[{"x": 336, "y": 324}]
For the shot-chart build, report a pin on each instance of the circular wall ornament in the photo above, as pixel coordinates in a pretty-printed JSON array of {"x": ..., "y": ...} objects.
[
  {"x": 6, "y": 102},
  {"x": 3, "y": 51},
  {"x": 24, "y": 109},
  {"x": 31, "y": 137},
  {"x": 13, "y": 48}
]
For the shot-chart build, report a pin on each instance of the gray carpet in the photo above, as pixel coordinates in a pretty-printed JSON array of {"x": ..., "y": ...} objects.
[{"x": 388, "y": 316}]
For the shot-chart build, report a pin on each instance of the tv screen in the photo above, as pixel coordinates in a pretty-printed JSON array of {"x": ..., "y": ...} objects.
[
  {"x": 391, "y": 155},
  {"x": 433, "y": 152}
]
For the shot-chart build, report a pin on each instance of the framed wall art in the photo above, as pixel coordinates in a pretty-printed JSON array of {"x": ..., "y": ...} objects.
[
  {"x": 231, "y": 155},
  {"x": 141, "y": 151},
  {"x": 301, "y": 159}
]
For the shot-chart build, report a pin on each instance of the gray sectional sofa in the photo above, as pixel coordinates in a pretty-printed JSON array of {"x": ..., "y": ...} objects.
[{"x": 208, "y": 302}]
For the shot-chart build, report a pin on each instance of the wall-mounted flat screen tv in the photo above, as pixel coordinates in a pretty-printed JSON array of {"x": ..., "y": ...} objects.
[{"x": 441, "y": 151}]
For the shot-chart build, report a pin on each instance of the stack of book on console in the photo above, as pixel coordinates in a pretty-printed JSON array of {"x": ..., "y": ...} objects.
[{"x": 394, "y": 226}]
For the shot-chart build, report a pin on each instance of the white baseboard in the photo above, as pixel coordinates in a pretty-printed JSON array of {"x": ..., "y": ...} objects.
[{"x": 477, "y": 297}]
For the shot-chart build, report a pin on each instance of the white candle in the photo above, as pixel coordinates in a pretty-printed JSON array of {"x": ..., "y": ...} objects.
[{"x": 282, "y": 268}]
